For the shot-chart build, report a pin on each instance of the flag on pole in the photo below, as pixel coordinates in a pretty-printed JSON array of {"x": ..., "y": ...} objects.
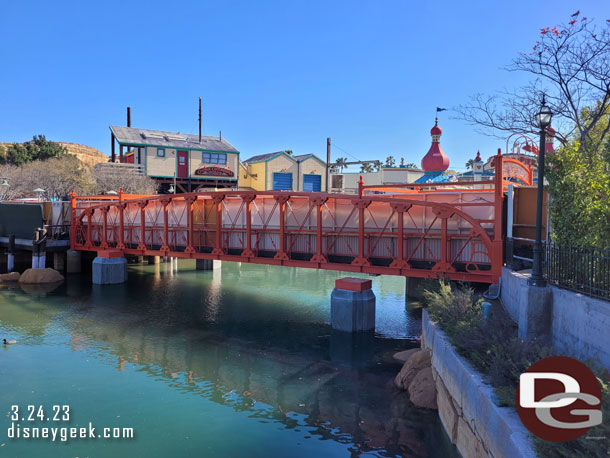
[{"x": 439, "y": 109}]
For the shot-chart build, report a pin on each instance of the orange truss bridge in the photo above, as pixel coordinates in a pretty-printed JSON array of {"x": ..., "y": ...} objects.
[{"x": 454, "y": 232}]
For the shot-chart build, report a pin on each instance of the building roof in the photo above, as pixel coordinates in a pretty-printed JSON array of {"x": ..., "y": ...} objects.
[
  {"x": 485, "y": 173},
  {"x": 433, "y": 177},
  {"x": 133, "y": 136},
  {"x": 267, "y": 157},
  {"x": 304, "y": 157}
]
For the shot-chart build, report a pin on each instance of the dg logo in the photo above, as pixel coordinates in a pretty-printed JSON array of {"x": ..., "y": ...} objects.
[{"x": 559, "y": 399}]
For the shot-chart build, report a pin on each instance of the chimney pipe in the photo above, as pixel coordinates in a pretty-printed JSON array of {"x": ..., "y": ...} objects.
[
  {"x": 128, "y": 116},
  {"x": 199, "y": 119},
  {"x": 220, "y": 135}
]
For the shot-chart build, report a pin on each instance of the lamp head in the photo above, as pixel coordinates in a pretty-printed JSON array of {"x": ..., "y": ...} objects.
[{"x": 545, "y": 115}]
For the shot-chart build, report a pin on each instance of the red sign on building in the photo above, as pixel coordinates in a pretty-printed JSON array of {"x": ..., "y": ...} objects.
[{"x": 214, "y": 171}]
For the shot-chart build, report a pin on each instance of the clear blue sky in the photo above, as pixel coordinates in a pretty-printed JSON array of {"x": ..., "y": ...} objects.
[{"x": 273, "y": 75}]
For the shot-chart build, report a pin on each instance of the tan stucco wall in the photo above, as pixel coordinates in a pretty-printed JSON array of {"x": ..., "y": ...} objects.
[
  {"x": 284, "y": 165},
  {"x": 312, "y": 166},
  {"x": 160, "y": 166},
  {"x": 195, "y": 157}
]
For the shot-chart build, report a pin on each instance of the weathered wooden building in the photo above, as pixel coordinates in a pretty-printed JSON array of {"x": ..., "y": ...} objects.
[{"x": 177, "y": 158}]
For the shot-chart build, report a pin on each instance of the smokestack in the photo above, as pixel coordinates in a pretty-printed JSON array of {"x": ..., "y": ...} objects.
[
  {"x": 199, "y": 119},
  {"x": 128, "y": 116}
]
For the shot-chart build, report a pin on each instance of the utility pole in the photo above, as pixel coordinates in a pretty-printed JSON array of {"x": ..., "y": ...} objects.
[
  {"x": 199, "y": 119},
  {"x": 327, "y": 163}
]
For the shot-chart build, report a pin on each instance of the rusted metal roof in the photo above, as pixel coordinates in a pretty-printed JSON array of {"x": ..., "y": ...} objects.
[{"x": 133, "y": 136}]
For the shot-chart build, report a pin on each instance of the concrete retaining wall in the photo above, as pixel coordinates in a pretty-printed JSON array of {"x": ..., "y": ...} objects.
[
  {"x": 579, "y": 324},
  {"x": 472, "y": 420},
  {"x": 513, "y": 292}
]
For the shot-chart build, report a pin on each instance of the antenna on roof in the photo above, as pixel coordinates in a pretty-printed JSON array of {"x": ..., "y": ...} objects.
[
  {"x": 199, "y": 119},
  {"x": 128, "y": 116}
]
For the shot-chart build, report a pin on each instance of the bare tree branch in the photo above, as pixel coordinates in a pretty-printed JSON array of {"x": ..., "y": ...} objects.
[{"x": 569, "y": 63}]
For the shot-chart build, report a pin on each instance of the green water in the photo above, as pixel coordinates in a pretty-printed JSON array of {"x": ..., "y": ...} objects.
[{"x": 239, "y": 361}]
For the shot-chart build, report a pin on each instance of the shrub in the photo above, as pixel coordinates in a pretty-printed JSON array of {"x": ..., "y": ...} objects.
[{"x": 493, "y": 348}]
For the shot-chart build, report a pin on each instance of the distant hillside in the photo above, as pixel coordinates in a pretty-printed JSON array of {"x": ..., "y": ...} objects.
[{"x": 86, "y": 154}]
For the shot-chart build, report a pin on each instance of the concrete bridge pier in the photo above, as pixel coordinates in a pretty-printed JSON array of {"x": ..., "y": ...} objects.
[
  {"x": 153, "y": 259},
  {"x": 73, "y": 261},
  {"x": 109, "y": 267},
  {"x": 352, "y": 305},
  {"x": 10, "y": 262},
  {"x": 414, "y": 287},
  {"x": 59, "y": 261},
  {"x": 204, "y": 264}
]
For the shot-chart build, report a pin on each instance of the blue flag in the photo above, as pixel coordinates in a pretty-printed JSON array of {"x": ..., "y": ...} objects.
[{"x": 439, "y": 109}]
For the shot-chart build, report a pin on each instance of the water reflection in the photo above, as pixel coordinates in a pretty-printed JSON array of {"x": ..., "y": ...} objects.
[{"x": 251, "y": 338}]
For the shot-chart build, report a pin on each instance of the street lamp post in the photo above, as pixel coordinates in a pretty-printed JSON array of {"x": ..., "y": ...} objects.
[{"x": 543, "y": 117}]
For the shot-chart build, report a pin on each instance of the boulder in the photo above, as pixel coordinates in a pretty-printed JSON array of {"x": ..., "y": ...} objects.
[
  {"x": 416, "y": 362},
  {"x": 403, "y": 356},
  {"x": 11, "y": 276},
  {"x": 422, "y": 389},
  {"x": 37, "y": 276}
]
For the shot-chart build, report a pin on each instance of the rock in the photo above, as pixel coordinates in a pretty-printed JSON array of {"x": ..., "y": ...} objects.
[
  {"x": 11, "y": 276},
  {"x": 446, "y": 410},
  {"x": 416, "y": 362},
  {"x": 422, "y": 389},
  {"x": 36, "y": 276},
  {"x": 403, "y": 356},
  {"x": 468, "y": 443}
]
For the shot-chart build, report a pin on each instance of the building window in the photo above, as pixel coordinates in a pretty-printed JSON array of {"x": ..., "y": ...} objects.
[
  {"x": 160, "y": 152},
  {"x": 214, "y": 158}
]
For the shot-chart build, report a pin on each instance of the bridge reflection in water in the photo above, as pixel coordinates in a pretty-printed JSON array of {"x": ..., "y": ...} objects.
[{"x": 263, "y": 352}]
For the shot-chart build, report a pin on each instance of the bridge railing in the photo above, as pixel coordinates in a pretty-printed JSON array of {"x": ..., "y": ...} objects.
[{"x": 376, "y": 234}]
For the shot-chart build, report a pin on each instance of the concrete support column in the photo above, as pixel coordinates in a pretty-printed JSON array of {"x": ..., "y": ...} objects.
[
  {"x": 352, "y": 305},
  {"x": 535, "y": 313},
  {"x": 154, "y": 259},
  {"x": 59, "y": 261},
  {"x": 204, "y": 264},
  {"x": 110, "y": 267},
  {"x": 413, "y": 287},
  {"x": 73, "y": 262},
  {"x": 11, "y": 254}
]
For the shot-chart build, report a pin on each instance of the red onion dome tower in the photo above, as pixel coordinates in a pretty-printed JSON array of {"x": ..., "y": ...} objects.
[{"x": 435, "y": 159}]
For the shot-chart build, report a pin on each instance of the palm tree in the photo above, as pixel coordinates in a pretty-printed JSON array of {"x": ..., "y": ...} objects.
[
  {"x": 366, "y": 167},
  {"x": 341, "y": 163},
  {"x": 288, "y": 152},
  {"x": 411, "y": 165},
  {"x": 389, "y": 161},
  {"x": 377, "y": 165},
  {"x": 470, "y": 163}
]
